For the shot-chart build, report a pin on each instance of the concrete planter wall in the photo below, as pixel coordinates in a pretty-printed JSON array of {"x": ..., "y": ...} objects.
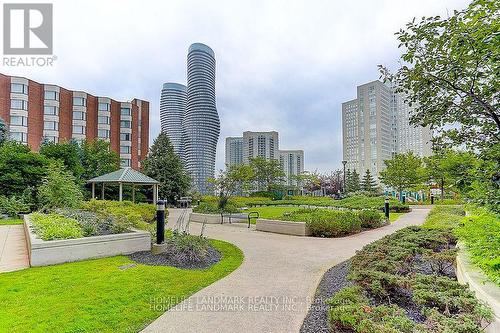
[
  {"x": 283, "y": 227},
  {"x": 484, "y": 289},
  {"x": 42, "y": 253},
  {"x": 200, "y": 218}
]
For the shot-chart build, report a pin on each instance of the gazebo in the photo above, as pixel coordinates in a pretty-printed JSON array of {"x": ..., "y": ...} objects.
[{"x": 125, "y": 176}]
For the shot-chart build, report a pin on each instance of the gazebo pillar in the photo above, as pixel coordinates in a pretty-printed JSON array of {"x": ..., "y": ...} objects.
[
  {"x": 155, "y": 194},
  {"x": 102, "y": 191},
  {"x": 120, "y": 195},
  {"x": 133, "y": 193},
  {"x": 93, "y": 190}
]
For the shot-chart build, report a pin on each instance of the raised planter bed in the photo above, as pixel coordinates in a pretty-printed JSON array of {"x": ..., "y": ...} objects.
[
  {"x": 283, "y": 227},
  {"x": 484, "y": 289},
  {"x": 200, "y": 218},
  {"x": 42, "y": 253}
]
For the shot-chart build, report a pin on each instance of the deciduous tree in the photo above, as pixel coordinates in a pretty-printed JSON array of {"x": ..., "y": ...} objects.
[
  {"x": 402, "y": 172},
  {"x": 450, "y": 74}
]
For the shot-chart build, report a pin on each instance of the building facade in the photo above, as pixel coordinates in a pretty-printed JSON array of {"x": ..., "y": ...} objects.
[
  {"x": 200, "y": 124},
  {"x": 260, "y": 144},
  {"x": 35, "y": 112},
  {"x": 375, "y": 126},
  {"x": 234, "y": 151},
  {"x": 292, "y": 162},
  {"x": 173, "y": 103}
]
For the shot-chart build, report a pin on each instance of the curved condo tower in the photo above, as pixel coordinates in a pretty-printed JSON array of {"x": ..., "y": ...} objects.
[
  {"x": 173, "y": 102},
  {"x": 200, "y": 126}
]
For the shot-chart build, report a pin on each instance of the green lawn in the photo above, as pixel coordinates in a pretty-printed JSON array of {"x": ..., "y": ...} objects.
[
  {"x": 271, "y": 212},
  {"x": 394, "y": 216},
  {"x": 100, "y": 295},
  {"x": 11, "y": 221}
]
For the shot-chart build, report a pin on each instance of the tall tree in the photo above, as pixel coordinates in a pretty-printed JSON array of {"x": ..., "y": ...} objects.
[
  {"x": 164, "y": 165},
  {"x": 402, "y": 172},
  {"x": 352, "y": 182},
  {"x": 369, "y": 184},
  {"x": 230, "y": 180},
  {"x": 308, "y": 180},
  {"x": 450, "y": 74},
  {"x": 267, "y": 173},
  {"x": 97, "y": 159},
  {"x": 4, "y": 133},
  {"x": 59, "y": 188},
  {"x": 20, "y": 169},
  {"x": 66, "y": 152}
]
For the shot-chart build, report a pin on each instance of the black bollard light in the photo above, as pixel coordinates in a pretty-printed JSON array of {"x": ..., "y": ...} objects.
[
  {"x": 160, "y": 222},
  {"x": 404, "y": 198},
  {"x": 432, "y": 198},
  {"x": 386, "y": 208}
]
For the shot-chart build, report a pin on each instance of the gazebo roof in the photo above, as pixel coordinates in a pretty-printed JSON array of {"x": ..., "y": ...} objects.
[{"x": 125, "y": 176}]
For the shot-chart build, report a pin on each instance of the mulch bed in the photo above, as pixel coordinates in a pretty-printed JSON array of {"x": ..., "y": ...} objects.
[
  {"x": 164, "y": 259},
  {"x": 333, "y": 281}
]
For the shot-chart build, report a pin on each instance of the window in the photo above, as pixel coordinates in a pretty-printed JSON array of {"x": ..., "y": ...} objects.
[
  {"x": 78, "y": 115},
  {"x": 19, "y": 137},
  {"x": 51, "y": 125},
  {"x": 125, "y": 111},
  {"x": 125, "y": 162},
  {"x": 19, "y": 88},
  {"x": 50, "y": 110},
  {"x": 124, "y": 149},
  {"x": 79, "y": 129},
  {"x": 125, "y": 124},
  {"x": 125, "y": 136},
  {"x": 79, "y": 101},
  {"x": 50, "y": 138},
  {"x": 18, "y": 104},
  {"x": 51, "y": 95},
  {"x": 103, "y": 120},
  {"x": 19, "y": 120},
  {"x": 103, "y": 107},
  {"x": 103, "y": 134}
]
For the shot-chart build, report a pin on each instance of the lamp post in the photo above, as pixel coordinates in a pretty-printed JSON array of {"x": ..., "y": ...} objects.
[
  {"x": 343, "y": 184},
  {"x": 386, "y": 208}
]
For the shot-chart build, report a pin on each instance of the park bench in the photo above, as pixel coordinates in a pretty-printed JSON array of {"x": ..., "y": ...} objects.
[{"x": 239, "y": 216}]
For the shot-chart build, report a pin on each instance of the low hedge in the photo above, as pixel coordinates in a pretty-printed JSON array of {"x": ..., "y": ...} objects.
[
  {"x": 327, "y": 223},
  {"x": 444, "y": 217},
  {"x": 137, "y": 215},
  {"x": 480, "y": 231},
  {"x": 405, "y": 282},
  {"x": 54, "y": 226}
]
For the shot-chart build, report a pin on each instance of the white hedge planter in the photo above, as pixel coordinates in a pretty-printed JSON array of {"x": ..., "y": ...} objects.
[
  {"x": 484, "y": 289},
  {"x": 283, "y": 227},
  {"x": 43, "y": 253},
  {"x": 200, "y": 218}
]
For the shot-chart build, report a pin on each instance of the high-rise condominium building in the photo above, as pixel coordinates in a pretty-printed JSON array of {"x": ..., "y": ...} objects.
[
  {"x": 292, "y": 162},
  {"x": 260, "y": 144},
  {"x": 200, "y": 125},
  {"x": 234, "y": 151},
  {"x": 36, "y": 112},
  {"x": 375, "y": 126},
  {"x": 173, "y": 102}
]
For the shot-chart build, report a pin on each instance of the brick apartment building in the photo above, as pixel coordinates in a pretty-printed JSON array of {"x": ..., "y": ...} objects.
[{"x": 35, "y": 112}]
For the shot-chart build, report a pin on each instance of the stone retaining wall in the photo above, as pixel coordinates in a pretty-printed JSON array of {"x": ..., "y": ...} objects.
[
  {"x": 283, "y": 227},
  {"x": 484, "y": 289},
  {"x": 43, "y": 253}
]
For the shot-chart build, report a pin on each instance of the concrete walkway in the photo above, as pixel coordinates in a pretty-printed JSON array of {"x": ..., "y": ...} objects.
[
  {"x": 272, "y": 289},
  {"x": 13, "y": 249}
]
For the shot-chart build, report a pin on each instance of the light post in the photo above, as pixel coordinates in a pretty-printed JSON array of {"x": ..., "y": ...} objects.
[
  {"x": 343, "y": 184},
  {"x": 160, "y": 222},
  {"x": 386, "y": 208}
]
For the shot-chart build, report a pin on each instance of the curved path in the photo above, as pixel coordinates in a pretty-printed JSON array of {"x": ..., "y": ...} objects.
[{"x": 272, "y": 289}]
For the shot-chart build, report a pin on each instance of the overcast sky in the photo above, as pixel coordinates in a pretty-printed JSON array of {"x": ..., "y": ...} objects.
[{"x": 281, "y": 65}]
